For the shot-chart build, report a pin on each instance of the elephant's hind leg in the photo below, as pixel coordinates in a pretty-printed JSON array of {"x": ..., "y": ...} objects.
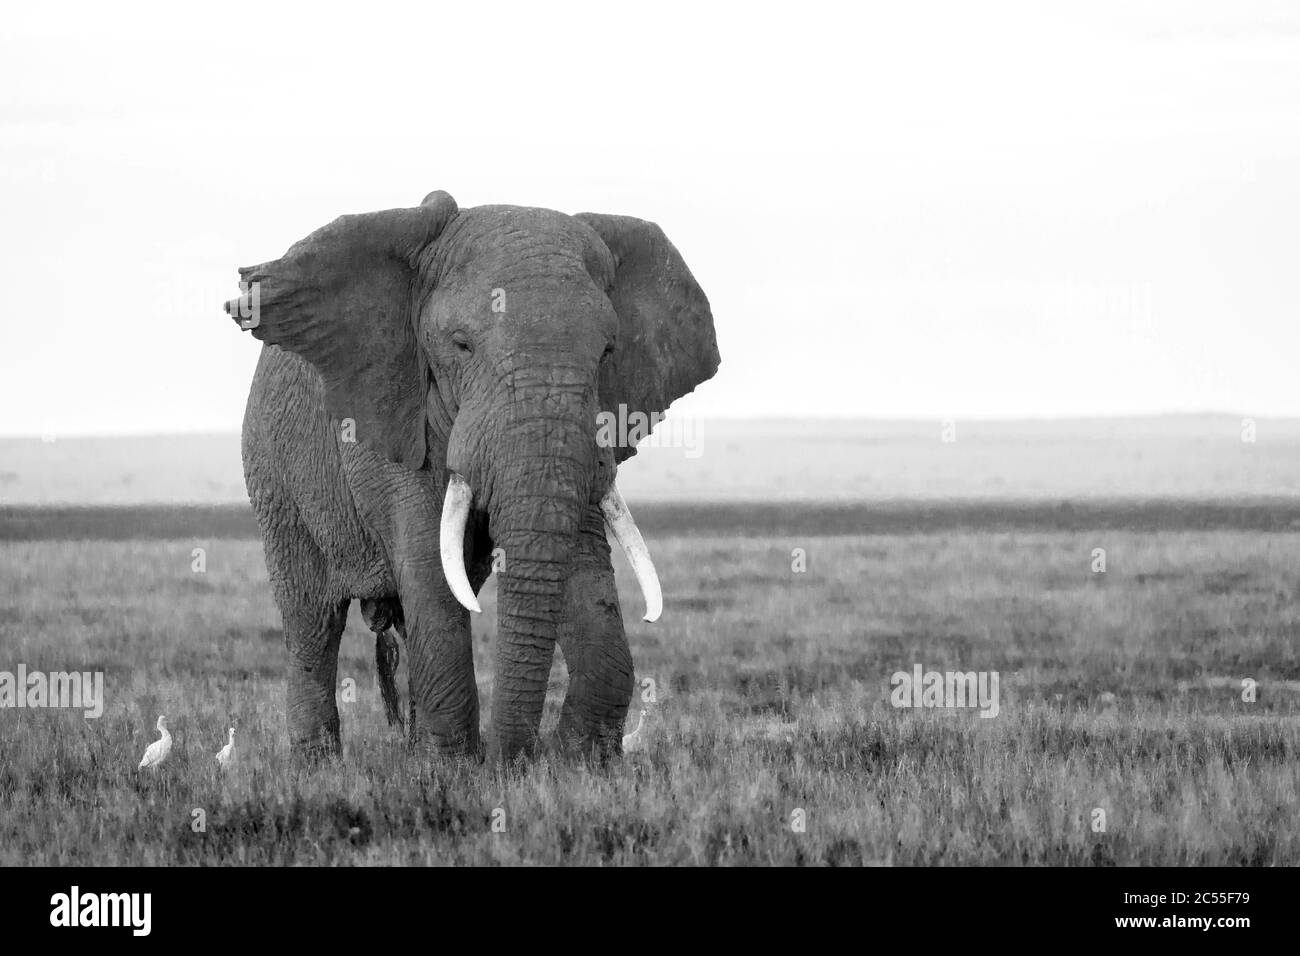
[
  {"x": 314, "y": 619},
  {"x": 312, "y": 631}
]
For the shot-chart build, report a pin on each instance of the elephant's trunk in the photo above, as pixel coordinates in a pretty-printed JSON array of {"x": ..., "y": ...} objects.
[
  {"x": 530, "y": 603},
  {"x": 534, "y": 473},
  {"x": 541, "y": 481}
]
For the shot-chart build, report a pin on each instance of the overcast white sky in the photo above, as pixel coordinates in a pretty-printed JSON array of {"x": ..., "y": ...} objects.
[{"x": 903, "y": 210}]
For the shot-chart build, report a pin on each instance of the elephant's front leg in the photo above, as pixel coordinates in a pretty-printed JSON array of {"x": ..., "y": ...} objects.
[
  {"x": 595, "y": 649},
  {"x": 402, "y": 509},
  {"x": 440, "y": 656}
]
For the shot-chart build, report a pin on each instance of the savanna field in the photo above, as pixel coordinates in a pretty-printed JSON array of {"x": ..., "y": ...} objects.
[
  {"x": 1119, "y": 691},
  {"x": 770, "y": 736}
]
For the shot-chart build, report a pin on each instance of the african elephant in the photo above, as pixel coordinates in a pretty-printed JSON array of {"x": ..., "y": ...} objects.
[{"x": 425, "y": 407}]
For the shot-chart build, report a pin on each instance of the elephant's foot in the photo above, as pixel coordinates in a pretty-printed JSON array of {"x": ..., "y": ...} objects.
[
  {"x": 315, "y": 743},
  {"x": 316, "y": 750},
  {"x": 598, "y": 743},
  {"x": 591, "y": 720},
  {"x": 457, "y": 745},
  {"x": 449, "y": 734},
  {"x": 313, "y": 719}
]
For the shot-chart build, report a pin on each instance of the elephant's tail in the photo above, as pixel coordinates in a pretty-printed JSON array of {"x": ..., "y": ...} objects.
[
  {"x": 387, "y": 656},
  {"x": 380, "y": 615}
]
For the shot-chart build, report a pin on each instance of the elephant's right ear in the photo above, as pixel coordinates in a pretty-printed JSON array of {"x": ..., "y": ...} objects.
[
  {"x": 345, "y": 299},
  {"x": 666, "y": 343}
]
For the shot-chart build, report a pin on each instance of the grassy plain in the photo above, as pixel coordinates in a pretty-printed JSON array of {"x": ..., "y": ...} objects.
[{"x": 1120, "y": 691}]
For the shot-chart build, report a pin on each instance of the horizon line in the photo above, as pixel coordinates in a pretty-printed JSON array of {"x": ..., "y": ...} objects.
[{"x": 747, "y": 419}]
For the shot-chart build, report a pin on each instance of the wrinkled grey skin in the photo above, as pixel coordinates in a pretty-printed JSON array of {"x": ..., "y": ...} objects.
[{"x": 386, "y": 319}]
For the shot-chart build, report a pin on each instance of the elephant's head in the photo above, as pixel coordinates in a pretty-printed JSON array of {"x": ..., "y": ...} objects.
[{"x": 484, "y": 342}]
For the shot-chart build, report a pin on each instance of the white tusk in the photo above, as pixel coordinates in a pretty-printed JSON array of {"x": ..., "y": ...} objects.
[
  {"x": 451, "y": 540},
  {"x": 619, "y": 520}
]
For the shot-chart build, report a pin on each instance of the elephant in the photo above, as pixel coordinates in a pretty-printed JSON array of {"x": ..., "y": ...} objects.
[{"x": 423, "y": 413}]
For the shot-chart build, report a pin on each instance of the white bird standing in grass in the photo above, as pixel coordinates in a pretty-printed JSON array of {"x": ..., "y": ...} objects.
[
  {"x": 226, "y": 755},
  {"x": 630, "y": 740},
  {"x": 157, "y": 751}
]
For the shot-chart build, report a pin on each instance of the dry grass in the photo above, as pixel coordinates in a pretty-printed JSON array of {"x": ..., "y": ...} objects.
[{"x": 771, "y": 696}]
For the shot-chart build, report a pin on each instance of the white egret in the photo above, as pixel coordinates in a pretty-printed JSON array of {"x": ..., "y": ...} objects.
[
  {"x": 226, "y": 755},
  {"x": 630, "y": 741},
  {"x": 157, "y": 751}
]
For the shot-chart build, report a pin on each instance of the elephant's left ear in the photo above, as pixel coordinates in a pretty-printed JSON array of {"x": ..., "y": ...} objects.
[
  {"x": 666, "y": 342},
  {"x": 345, "y": 299}
]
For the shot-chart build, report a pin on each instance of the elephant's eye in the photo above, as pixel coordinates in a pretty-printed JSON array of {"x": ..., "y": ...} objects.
[{"x": 462, "y": 343}]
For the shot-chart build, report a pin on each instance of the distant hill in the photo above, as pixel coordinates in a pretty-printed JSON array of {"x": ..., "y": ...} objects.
[{"x": 746, "y": 461}]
